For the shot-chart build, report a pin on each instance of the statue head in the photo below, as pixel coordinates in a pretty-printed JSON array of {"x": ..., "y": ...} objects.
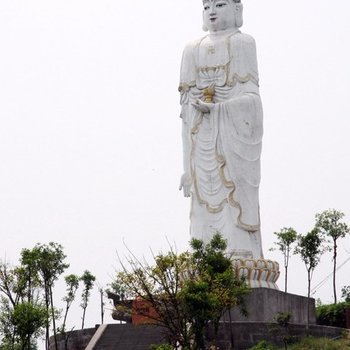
[{"x": 222, "y": 14}]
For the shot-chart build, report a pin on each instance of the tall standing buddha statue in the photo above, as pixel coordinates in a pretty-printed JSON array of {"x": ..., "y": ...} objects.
[{"x": 222, "y": 128}]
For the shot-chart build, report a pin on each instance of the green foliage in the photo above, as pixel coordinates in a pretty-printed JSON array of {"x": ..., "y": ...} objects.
[
  {"x": 72, "y": 283},
  {"x": 47, "y": 260},
  {"x": 119, "y": 289},
  {"x": 263, "y": 345},
  {"x": 332, "y": 315},
  {"x": 46, "y": 263},
  {"x": 280, "y": 328},
  {"x": 330, "y": 225},
  {"x": 282, "y": 319},
  {"x": 159, "y": 285},
  {"x": 318, "y": 302},
  {"x": 88, "y": 283},
  {"x": 18, "y": 283},
  {"x": 9, "y": 345},
  {"x": 311, "y": 343},
  {"x": 7, "y": 328},
  {"x": 21, "y": 324},
  {"x": 161, "y": 347},
  {"x": 27, "y": 291},
  {"x": 309, "y": 247},
  {"x": 345, "y": 293},
  {"x": 186, "y": 290},
  {"x": 285, "y": 240},
  {"x": 213, "y": 289},
  {"x": 29, "y": 320}
]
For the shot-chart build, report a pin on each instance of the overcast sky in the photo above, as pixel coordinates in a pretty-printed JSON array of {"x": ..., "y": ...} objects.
[{"x": 90, "y": 135}]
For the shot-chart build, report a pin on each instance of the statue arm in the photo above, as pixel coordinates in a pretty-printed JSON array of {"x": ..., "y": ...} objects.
[
  {"x": 186, "y": 178},
  {"x": 246, "y": 69},
  {"x": 243, "y": 111},
  {"x": 187, "y": 81}
]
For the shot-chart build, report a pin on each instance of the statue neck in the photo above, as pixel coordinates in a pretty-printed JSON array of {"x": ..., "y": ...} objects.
[{"x": 225, "y": 32}]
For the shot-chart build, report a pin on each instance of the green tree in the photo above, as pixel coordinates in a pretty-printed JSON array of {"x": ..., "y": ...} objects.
[
  {"x": 22, "y": 317},
  {"x": 117, "y": 288},
  {"x": 329, "y": 223},
  {"x": 212, "y": 289},
  {"x": 188, "y": 290},
  {"x": 72, "y": 283},
  {"x": 7, "y": 328},
  {"x": 159, "y": 286},
  {"x": 28, "y": 320},
  {"x": 345, "y": 293},
  {"x": 88, "y": 283},
  {"x": 286, "y": 237},
  {"x": 310, "y": 249},
  {"x": 9, "y": 283},
  {"x": 19, "y": 283},
  {"x": 25, "y": 289},
  {"x": 333, "y": 315},
  {"x": 48, "y": 261},
  {"x": 280, "y": 328},
  {"x": 20, "y": 293}
]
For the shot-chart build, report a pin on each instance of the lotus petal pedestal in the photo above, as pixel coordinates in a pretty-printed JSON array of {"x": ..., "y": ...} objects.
[{"x": 259, "y": 273}]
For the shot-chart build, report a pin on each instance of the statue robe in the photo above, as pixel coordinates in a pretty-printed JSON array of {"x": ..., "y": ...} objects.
[{"x": 222, "y": 148}]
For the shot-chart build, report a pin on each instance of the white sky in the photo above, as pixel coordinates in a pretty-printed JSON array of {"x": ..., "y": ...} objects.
[{"x": 90, "y": 139}]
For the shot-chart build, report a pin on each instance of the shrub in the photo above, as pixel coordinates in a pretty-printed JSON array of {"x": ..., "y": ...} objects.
[
  {"x": 263, "y": 345},
  {"x": 345, "y": 293},
  {"x": 311, "y": 343},
  {"x": 332, "y": 315},
  {"x": 161, "y": 347},
  {"x": 281, "y": 330}
]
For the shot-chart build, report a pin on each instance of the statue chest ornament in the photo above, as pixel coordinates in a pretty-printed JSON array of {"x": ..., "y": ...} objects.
[
  {"x": 213, "y": 57},
  {"x": 211, "y": 49}
]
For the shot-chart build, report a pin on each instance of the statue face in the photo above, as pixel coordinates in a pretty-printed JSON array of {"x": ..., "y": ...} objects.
[{"x": 219, "y": 15}]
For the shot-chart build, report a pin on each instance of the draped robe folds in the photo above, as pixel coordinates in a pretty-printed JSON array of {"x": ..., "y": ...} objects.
[{"x": 222, "y": 148}]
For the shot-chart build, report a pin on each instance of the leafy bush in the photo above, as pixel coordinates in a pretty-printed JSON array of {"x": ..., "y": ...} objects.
[
  {"x": 161, "y": 347},
  {"x": 311, "y": 343},
  {"x": 282, "y": 319},
  {"x": 308, "y": 343},
  {"x": 281, "y": 330},
  {"x": 332, "y": 315},
  {"x": 345, "y": 293},
  {"x": 263, "y": 345}
]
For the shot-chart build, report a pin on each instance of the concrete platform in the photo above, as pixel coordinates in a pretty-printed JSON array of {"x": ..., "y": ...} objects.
[
  {"x": 263, "y": 304},
  {"x": 243, "y": 335},
  {"x": 243, "y": 332}
]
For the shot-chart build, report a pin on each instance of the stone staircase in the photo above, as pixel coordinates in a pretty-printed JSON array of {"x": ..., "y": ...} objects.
[{"x": 126, "y": 337}]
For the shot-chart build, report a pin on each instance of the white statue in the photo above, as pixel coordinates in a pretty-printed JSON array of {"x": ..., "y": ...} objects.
[{"x": 222, "y": 131}]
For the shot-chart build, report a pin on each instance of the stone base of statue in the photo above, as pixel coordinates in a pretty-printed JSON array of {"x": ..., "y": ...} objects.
[
  {"x": 263, "y": 304},
  {"x": 235, "y": 332},
  {"x": 259, "y": 273}
]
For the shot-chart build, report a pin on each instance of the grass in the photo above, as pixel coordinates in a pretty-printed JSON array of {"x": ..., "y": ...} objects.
[{"x": 309, "y": 343}]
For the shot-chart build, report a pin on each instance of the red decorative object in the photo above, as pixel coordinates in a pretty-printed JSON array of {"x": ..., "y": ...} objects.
[{"x": 143, "y": 312}]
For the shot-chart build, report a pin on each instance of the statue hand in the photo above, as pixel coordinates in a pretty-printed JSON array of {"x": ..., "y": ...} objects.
[
  {"x": 203, "y": 107},
  {"x": 185, "y": 184}
]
